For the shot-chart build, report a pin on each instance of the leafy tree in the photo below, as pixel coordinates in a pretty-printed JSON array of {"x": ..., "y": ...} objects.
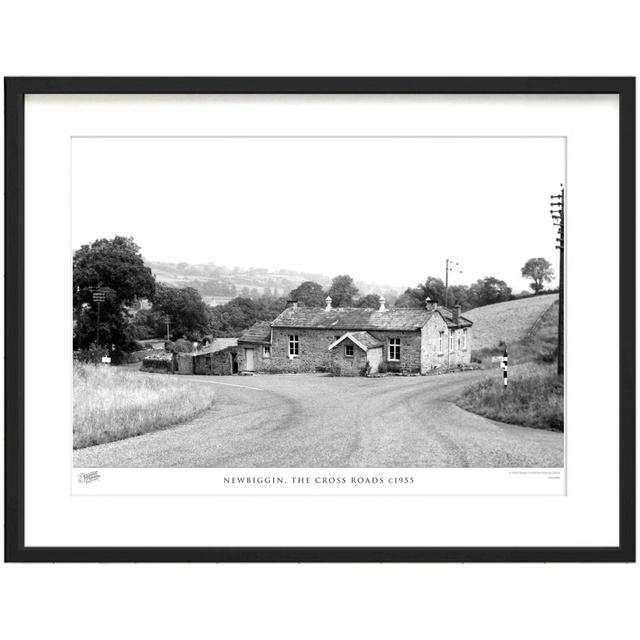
[
  {"x": 432, "y": 288},
  {"x": 308, "y": 294},
  {"x": 233, "y": 318},
  {"x": 146, "y": 324},
  {"x": 540, "y": 271},
  {"x": 342, "y": 291},
  {"x": 187, "y": 312},
  {"x": 459, "y": 294},
  {"x": 410, "y": 299},
  {"x": 117, "y": 268},
  {"x": 370, "y": 301},
  {"x": 488, "y": 290},
  {"x": 415, "y": 297}
]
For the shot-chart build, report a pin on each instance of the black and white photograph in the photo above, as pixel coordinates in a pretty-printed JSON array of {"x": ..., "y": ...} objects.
[
  {"x": 318, "y": 302},
  {"x": 362, "y": 317}
]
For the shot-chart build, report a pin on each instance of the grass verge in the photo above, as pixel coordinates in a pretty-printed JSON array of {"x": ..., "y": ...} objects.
[
  {"x": 534, "y": 397},
  {"x": 110, "y": 403}
]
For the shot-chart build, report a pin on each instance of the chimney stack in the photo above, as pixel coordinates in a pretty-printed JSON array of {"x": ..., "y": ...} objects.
[
  {"x": 430, "y": 304},
  {"x": 456, "y": 313},
  {"x": 293, "y": 304},
  {"x": 382, "y": 301},
  {"x": 328, "y": 301}
]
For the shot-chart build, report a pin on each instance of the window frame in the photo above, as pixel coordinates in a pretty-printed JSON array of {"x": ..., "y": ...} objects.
[
  {"x": 294, "y": 346},
  {"x": 266, "y": 350},
  {"x": 393, "y": 346},
  {"x": 346, "y": 351},
  {"x": 452, "y": 340}
]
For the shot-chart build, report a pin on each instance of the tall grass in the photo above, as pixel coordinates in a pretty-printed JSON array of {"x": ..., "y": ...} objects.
[
  {"x": 533, "y": 398},
  {"x": 110, "y": 403}
]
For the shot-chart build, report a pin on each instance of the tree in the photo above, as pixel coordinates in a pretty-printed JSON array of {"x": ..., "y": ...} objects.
[
  {"x": 488, "y": 290},
  {"x": 117, "y": 268},
  {"x": 342, "y": 291},
  {"x": 540, "y": 271},
  {"x": 370, "y": 301},
  {"x": 187, "y": 312},
  {"x": 432, "y": 288},
  {"x": 459, "y": 294},
  {"x": 233, "y": 318},
  {"x": 416, "y": 297},
  {"x": 308, "y": 294}
]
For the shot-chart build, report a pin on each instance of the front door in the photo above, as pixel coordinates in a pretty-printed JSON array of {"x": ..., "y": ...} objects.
[
  {"x": 234, "y": 363},
  {"x": 249, "y": 359}
]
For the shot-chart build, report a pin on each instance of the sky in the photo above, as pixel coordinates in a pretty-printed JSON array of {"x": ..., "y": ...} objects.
[{"x": 389, "y": 210}]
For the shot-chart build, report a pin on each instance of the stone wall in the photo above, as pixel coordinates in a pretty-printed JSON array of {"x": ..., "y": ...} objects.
[
  {"x": 260, "y": 361},
  {"x": 217, "y": 364},
  {"x": 314, "y": 354},
  {"x": 419, "y": 350},
  {"x": 344, "y": 365},
  {"x": 185, "y": 363},
  {"x": 410, "y": 345},
  {"x": 435, "y": 358}
]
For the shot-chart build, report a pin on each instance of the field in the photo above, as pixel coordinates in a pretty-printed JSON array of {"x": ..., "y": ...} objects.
[
  {"x": 111, "y": 403},
  {"x": 534, "y": 398},
  {"x": 535, "y": 394},
  {"x": 506, "y": 322},
  {"x": 540, "y": 343}
]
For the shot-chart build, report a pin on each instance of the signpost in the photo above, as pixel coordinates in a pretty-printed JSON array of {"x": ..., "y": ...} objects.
[{"x": 505, "y": 367}]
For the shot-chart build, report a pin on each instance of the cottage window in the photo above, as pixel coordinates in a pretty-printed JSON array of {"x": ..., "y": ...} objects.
[
  {"x": 441, "y": 343},
  {"x": 394, "y": 349},
  {"x": 348, "y": 350},
  {"x": 452, "y": 340},
  {"x": 464, "y": 339},
  {"x": 266, "y": 351},
  {"x": 294, "y": 346}
]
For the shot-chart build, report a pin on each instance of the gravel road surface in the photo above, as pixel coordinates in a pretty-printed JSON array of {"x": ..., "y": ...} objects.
[{"x": 308, "y": 420}]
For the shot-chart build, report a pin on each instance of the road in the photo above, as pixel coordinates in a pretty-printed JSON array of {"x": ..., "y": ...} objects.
[{"x": 308, "y": 420}]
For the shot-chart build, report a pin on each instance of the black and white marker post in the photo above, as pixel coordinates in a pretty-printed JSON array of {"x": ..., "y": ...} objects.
[{"x": 505, "y": 367}]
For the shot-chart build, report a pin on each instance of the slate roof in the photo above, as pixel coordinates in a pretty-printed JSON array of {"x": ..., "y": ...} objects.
[
  {"x": 361, "y": 338},
  {"x": 219, "y": 344},
  {"x": 223, "y": 343},
  {"x": 447, "y": 315},
  {"x": 260, "y": 332},
  {"x": 361, "y": 319}
]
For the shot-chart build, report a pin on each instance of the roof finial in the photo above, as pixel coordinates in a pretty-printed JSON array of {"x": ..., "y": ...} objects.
[
  {"x": 382, "y": 301},
  {"x": 328, "y": 301},
  {"x": 430, "y": 304}
]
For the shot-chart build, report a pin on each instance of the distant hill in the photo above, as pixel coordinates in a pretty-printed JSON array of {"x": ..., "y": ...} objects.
[
  {"x": 216, "y": 282},
  {"x": 508, "y": 322}
]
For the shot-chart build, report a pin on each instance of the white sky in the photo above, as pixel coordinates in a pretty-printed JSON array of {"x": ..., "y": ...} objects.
[{"x": 383, "y": 209}]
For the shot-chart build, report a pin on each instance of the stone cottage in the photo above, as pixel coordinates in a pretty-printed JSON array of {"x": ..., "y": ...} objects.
[
  {"x": 218, "y": 359},
  {"x": 351, "y": 341}
]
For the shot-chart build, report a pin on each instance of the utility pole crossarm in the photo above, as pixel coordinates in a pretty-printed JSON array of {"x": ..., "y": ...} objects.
[{"x": 557, "y": 214}]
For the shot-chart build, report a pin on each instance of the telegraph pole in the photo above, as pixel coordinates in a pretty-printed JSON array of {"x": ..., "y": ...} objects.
[
  {"x": 450, "y": 265},
  {"x": 99, "y": 296},
  {"x": 168, "y": 321},
  {"x": 557, "y": 214}
]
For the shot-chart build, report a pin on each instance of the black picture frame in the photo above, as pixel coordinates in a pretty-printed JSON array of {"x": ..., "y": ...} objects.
[{"x": 15, "y": 91}]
